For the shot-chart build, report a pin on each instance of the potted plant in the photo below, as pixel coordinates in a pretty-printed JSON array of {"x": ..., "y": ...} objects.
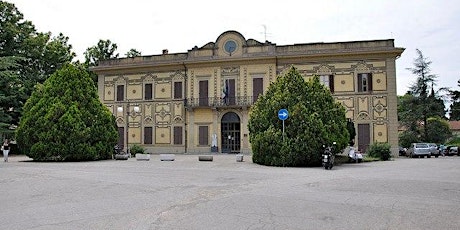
[{"x": 139, "y": 152}]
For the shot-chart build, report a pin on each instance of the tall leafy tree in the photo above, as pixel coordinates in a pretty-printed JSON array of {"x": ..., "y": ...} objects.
[
  {"x": 315, "y": 118},
  {"x": 103, "y": 50},
  {"x": 133, "y": 53},
  {"x": 421, "y": 102},
  {"x": 10, "y": 87},
  {"x": 37, "y": 54},
  {"x": 454, "y": 114},
  {"x": 64, "y": 120}
]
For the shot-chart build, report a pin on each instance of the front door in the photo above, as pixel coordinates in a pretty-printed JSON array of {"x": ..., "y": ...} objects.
[
  {"x": 364, "y": 138},
  {"x": 231, "y": 133}
]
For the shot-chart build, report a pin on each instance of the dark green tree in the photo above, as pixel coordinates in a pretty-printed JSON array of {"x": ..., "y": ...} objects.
[
  {"x": 454, "y": 114},
  {"x": 64, "y": 120},
  {"x": 315, "y": 118},
  {"x": 103, "y": 50},
  {"x": 438, "y": 130},
  {"x": 421, "y": 102},
  {"x": 10, "y": 86},
  {"x": 37, "y": 54},
  {"x": 133, "y": 53}
]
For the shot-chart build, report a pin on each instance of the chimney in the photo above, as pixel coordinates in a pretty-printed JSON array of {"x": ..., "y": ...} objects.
[{"x": 165, "y": 51}]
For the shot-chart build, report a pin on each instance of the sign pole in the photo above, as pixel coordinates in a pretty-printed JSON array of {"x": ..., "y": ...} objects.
[{"x": 283, "y": 115}]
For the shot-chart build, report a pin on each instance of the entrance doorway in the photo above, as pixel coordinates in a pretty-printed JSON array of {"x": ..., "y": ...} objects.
[
  {"x": 230, "y": 133},
  {"x": 363, "y": 137}
]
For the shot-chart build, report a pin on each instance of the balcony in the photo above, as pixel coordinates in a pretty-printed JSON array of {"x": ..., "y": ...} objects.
[{"x": 219, "y": 102}]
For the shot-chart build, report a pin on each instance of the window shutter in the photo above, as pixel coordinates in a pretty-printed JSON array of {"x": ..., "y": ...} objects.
[
  {"x": 369, "y": 83},
  {"x": 177, "y": 135},
  {"x": 120, "y": 92},
  {"x": 148, "y": 92},
  {"x": 360, "y": 82},
  {"x": 331, "y": 83},
  {"x": 148, "y": 134},
  {"x": 177, "y": 90},
  {"x": 203, "y": 135}
]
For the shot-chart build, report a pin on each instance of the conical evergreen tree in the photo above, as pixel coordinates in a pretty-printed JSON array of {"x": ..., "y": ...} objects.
[
  {"x": 64, "y": 120},
  {"x": 315, "y": 118}
]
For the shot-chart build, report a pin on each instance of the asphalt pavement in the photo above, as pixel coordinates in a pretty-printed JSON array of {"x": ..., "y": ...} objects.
[{"x": 225, "y": 194}]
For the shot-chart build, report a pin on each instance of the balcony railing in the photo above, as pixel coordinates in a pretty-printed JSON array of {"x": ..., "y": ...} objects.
[{"x": 219, "y": 102}]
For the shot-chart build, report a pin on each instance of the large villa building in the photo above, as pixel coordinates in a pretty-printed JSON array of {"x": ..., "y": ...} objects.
[{"x": 199, "y": 101}]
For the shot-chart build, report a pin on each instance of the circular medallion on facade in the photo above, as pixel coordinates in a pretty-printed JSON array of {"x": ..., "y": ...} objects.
[
  {"x": 380, "y": 134},
  {"x": 342, "y": 82},
  {"x": 163, "y": 90},
  {"x": 133, "y": 135},
  {"x": 109, "y": 92},
  {"x": 378, "y": 80},
  {"x": 162, "y": 135},
  {"x": 379, "y": 108},
  {"x": 230, "y": 46},
  {"x": 134, "y": 91}
]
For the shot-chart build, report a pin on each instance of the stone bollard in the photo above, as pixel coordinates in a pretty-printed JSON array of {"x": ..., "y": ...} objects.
[
  {"x": 167, "y": 157},
  {"x": 239, "y": 158},
  {"x": 205, "y": 158},
  {"x": 121, "y": 156},
  {"x": 142, "y": 157}
]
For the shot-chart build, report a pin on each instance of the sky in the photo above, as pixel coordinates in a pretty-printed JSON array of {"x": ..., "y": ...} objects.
[{"x": 431, "y": 26}]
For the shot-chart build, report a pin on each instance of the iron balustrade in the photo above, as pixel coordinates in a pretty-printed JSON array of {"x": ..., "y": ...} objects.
[{"x": 215, "y": 102}]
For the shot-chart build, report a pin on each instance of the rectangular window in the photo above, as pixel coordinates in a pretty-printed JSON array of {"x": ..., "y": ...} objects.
[
  {"x": 203, "y": 135},
  {"x": 178, "y": 135},
  {"x": 148, "y": 92},
  {"x": 203, "y": 93},
  {"x": 328, "y": 81},
  {"x": 148, "y": 135},
  {"x": 177, "y": 90},
  {"x": 257, "y": 88},
  {"x": 120, "y": 92},
  {"x": 364, "y": 82},
  {"x": 121, "y": 137}
]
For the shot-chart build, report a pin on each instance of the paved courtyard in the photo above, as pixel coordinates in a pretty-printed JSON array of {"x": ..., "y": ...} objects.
[{"x": 225, "y": 194}]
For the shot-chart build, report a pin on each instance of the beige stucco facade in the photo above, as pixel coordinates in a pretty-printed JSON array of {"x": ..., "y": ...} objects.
[{"x": 188, "y": 102}]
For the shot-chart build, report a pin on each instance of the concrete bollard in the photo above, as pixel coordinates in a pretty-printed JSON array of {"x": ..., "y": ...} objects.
[
  {"x": 205, "y": 158},
  {"x": 167, "y": 157},
  {"x": 121, "y": 156},
  {"x": 239, "y": 158},
  {"x": 142, "y": 157}
]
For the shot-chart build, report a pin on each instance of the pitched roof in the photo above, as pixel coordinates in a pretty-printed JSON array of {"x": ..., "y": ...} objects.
[{"x": 454, "y": 125}]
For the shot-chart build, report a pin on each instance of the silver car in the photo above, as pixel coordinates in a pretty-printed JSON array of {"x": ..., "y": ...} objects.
[
  {"x": 419, "y": 150},
  {"x": 434, "y": 149}
]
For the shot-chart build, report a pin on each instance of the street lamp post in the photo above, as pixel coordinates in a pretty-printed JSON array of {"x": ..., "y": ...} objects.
[{"x": 128, "y": 113}]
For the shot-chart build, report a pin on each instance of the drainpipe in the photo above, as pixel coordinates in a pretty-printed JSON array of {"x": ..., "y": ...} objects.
[{"x": 185, "y": 108}]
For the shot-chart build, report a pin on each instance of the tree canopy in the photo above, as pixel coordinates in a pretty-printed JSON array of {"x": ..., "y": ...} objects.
[
  {"x": 315, "y": 118},
  {"x": 454, "y": 113},
  {"x": 64, "y": 120},
  {"x": 420, "y": 104},
  {"x": 31, "y": 55}
]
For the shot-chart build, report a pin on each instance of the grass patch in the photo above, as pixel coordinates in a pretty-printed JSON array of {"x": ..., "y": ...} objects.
[{"x": 370, "y": 159}]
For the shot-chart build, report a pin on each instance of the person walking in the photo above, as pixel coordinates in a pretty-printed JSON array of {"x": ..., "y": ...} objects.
[{"x": 6, "y": 149}]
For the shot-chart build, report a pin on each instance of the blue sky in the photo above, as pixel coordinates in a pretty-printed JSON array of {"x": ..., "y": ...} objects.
[{"x": 151, "y": 26}]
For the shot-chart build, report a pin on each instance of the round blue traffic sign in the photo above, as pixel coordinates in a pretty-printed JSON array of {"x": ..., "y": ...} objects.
[{"x": 283, "y": 114}]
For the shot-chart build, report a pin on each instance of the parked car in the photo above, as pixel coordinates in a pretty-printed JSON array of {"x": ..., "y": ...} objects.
[
  {"x": 419, "y": 150},
  {"x": 453, "y": 151},
  {"x": 434, "y": 149},
  {"x": 402, "y": 151}
]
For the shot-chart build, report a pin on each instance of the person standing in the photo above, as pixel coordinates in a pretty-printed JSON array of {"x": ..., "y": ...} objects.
[{"x": 6, "y": 149}]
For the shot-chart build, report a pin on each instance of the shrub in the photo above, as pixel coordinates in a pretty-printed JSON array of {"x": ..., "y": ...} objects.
[
  {"x": 136, "y": 149},
  {"x": 380, "y": 150}
]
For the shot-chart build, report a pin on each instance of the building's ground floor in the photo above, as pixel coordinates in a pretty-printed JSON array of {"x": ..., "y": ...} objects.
[{"x": 211, "y": 130}]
